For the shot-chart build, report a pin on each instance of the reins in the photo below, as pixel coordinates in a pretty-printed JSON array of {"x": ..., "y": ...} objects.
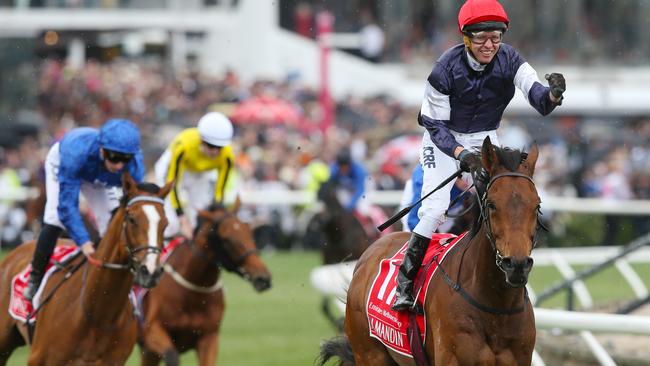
[
  {"x": 130, "y": 249},
  {"x": 235, "y": 267},
  {"x": 484, "y": 219}
]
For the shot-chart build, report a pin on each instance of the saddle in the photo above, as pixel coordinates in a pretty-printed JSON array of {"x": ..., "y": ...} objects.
[
  {"x": 21, "y": 309},
  {"x": 390, "y": 327}
]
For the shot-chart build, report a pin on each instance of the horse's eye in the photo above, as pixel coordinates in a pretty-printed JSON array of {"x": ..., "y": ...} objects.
[
  {"x": 132, "y": 220},
  {"x": 490, "y": 205}
]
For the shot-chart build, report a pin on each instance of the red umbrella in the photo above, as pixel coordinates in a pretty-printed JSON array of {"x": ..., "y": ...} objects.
[
  {"x": 265, "y": 110},
  {"x": 404, "y": 149}
]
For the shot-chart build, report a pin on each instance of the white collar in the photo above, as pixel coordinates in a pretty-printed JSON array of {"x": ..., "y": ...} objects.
[{"x": 475, "y": 65}]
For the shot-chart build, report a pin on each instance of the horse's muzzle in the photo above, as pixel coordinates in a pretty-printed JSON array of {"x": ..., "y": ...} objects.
[
  {"x": 261, "y": 283},
  {"x": 516, "y": 270},
  {"x": 146, "y": 279}
]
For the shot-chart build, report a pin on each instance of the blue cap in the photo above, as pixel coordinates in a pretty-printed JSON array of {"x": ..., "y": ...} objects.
[{"x": 120, "y": 135}]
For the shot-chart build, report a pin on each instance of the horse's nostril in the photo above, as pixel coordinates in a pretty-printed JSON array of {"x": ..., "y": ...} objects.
[
  {"x": 506, "y": 263},
  {"x": 529, "y": 262}
]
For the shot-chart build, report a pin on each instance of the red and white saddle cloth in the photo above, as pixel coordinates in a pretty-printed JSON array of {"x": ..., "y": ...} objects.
[
  {"x": 19, "y": 307},
  {"x": 390, "y": 326},
  {"x": 138, "y": 293}
]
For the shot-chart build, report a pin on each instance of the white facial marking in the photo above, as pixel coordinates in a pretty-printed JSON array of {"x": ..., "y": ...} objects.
[{"x": 154, "y": 218}]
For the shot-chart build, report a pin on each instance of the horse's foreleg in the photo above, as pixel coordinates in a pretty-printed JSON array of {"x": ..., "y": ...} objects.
[
  {"x": 149, "y": 358},
  {"x": 156, "y": 340},
  {"x": 9, "y": 341},
  {"x": 207, "y": 348}
]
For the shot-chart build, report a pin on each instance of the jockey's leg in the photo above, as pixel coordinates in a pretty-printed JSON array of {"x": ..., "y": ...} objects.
[
  {"x": 42, "y": 253},
  {"x": 413, "y": 257},
  {"x": 436, "y": 167}
]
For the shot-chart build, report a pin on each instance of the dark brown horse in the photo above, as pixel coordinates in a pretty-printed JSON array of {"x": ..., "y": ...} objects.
[
  {"x": 477, "y": 310},
  {"x": 89, "y": 320},
  {"x": 186, "y": 309},
  {"x": 343, "y": 237}
]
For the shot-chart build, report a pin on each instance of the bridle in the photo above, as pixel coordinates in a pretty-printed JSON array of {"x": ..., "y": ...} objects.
[
  {"x": 131, "y": 249},
  {"x": 485, "y": 219}
]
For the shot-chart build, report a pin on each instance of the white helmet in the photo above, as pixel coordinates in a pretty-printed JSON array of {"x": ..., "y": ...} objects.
[{"x": 215, "y": 129}]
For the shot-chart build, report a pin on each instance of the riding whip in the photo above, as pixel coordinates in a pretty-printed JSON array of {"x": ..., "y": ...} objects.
[{"x": 406, "y": 209}]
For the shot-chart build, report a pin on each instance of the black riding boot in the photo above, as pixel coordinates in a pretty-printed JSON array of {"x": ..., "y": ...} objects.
[
  {"x": 44, "y": 248},
  {"x": 412, "y": 261}
]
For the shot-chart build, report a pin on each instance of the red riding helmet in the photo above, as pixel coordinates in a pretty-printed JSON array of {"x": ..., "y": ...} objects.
[{"x": 489, "y": 12}]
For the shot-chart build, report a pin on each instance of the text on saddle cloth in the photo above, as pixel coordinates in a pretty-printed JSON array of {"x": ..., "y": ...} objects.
[
  {"x": 390, "y": 326},
  {"x": 19, "y": 307}
]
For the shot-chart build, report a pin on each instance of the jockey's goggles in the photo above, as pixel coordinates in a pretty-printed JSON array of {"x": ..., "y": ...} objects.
[
  {"x": 210, "y": 146},
  {"x": 480, "y": 38},
  {"x": 117, "y": 157}
]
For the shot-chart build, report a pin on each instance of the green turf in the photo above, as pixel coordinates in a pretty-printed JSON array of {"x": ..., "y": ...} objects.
[{"x": 284, "y": 326}]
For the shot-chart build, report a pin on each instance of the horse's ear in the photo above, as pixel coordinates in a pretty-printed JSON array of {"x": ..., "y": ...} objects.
[
  {"x": 489, "y": 155},
  {"x": 205, "y": 215},
  {"x": 164, "y": 191},
  {"x": 531, "y": 159},
  {"x": 235, "y": 206},
  {"x": 129, "y": 186}
]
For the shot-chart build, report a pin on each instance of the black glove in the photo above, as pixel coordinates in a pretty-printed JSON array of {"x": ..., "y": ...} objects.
[
  {"x": 557, "y": 84},
  {"x": 469, "y": 161}
]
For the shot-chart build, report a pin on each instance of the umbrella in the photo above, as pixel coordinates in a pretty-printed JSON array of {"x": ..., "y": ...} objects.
[
  {"x": 398, "y": 151},
  {"x": 265, "y": 110}
]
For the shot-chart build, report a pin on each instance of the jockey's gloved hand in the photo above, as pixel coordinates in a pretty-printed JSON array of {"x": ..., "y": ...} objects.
[
  {"x": 557, "y": 84},
  {"x": 469, "y": 161}
]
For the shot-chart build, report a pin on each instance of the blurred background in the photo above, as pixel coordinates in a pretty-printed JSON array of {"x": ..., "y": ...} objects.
[{"x": 325, "y": 75}]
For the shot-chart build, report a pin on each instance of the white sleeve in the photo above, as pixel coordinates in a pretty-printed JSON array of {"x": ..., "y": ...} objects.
[
  {"x": 435, "y": 105},
  {"x": 525, "y": 77}
]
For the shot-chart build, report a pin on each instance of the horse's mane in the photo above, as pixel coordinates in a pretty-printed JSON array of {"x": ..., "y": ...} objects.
[{"x": 508, "y": 158}]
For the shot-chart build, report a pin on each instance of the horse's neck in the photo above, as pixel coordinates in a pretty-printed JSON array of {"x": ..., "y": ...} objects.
[
  {"x": 195, "y": 265},
  {"x": 483, "y": 279},
  {"x": 105, "y": 291}
]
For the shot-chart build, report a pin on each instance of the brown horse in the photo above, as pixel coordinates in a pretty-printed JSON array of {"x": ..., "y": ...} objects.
[
  {"x": 186, "y": 309},
  {"x": 477, "y": 312},
  {"x": 89, "y": 320}
]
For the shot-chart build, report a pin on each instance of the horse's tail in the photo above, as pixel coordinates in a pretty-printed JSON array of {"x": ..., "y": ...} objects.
[{"x": 336, "y": 347}]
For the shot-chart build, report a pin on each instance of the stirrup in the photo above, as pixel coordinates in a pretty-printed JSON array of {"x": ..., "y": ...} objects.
[
  {"x": 30, "y": 291},
  {"x": 402, "y": 304}
]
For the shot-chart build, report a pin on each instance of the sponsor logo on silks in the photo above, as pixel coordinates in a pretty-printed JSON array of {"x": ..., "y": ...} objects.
[{"x": 428, "y": 158}]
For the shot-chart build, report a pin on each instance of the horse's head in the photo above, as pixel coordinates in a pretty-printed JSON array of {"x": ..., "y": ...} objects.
[
  {"x": 328, "y": 195},
  {"x": 144, "y": 222},
  {"x": 510, "y": 209},
  {"x": 231, "y": 240}
]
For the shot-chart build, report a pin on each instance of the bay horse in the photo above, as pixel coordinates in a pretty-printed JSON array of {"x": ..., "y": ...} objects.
[
  {"x": 476, "y": 308},
  {"x": 89, "y": 320},
  {"x": 185, "y": 310}
]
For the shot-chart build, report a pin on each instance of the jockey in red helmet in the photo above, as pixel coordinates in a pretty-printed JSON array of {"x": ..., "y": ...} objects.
[{"x": 465, "y": 96}]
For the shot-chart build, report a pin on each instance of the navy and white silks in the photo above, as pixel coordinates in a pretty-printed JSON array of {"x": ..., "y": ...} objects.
[
  {"x": 74, "y": 166},
  {"x": 463, "y": 103}
]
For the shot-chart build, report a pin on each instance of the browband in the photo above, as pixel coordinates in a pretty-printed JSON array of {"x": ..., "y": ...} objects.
[{"x": 145, "y": 199}]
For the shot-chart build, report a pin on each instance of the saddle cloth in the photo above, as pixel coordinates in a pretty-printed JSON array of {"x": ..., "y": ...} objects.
[
  {"x": 390, "y": 326},
  {"x": 19, "y": 307}
]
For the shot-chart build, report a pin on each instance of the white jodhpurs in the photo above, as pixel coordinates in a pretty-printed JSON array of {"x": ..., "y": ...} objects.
[
  {"x": 196, "y": 191},
  {"x": 438, "y": 166}
]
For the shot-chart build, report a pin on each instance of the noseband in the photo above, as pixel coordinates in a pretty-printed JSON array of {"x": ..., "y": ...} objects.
[
  {"x": 484, "y": 218},
  {"x": 132, "y": 250}
]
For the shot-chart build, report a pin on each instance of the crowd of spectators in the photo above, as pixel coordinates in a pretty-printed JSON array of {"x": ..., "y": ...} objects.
[{"x": 604, "y": 158}]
